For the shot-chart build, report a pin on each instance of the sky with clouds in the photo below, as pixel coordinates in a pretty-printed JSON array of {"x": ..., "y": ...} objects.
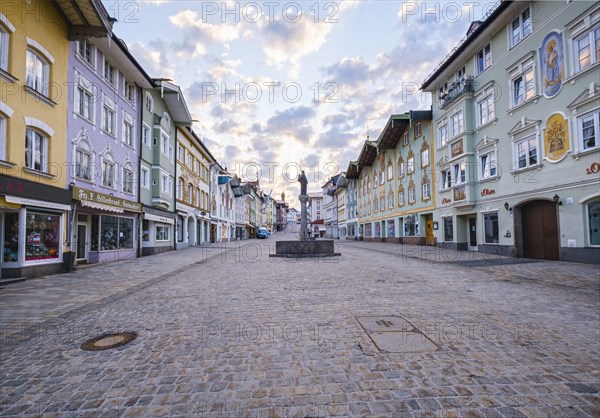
[{"x": 289, "y": 85}]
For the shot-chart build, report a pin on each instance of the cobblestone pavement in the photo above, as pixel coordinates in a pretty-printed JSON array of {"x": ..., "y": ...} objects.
[{"x": 228, "y": 331}]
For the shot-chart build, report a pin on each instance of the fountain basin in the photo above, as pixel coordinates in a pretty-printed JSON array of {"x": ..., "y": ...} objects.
[{"x": 305, "y": 249}]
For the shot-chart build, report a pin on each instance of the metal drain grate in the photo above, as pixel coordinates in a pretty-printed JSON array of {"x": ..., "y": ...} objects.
[
  {"x": 107, "y": 341},
  {"x": 393, "y": 334}
]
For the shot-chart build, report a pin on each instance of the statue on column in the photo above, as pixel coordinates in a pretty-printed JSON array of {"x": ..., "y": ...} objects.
[
  {"x": 303, "y": 183},
  {"x": 303, "y": 199}
]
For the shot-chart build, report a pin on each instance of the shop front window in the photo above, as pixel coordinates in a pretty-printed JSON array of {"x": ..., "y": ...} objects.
[
  {"x": 411, "y": 227},
  {"x": 11, "y": 238},
  {"x": 43, "y": 237},
  {"x": 448, "y": 231},
  {"x": 115, "y": 233},
  {"x": 163, "y": 232}
]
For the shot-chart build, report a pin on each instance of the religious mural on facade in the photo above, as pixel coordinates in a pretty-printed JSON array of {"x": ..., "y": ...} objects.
[
  {"x": 551, "y": 56},
  {"x": 556, "y": 137}
]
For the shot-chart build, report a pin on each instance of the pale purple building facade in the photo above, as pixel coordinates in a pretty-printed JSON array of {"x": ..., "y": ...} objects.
[{"x": 104, "y": 123}]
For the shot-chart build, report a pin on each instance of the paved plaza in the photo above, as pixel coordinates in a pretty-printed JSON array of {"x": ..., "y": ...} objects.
[{"x": 384, "y": 330}]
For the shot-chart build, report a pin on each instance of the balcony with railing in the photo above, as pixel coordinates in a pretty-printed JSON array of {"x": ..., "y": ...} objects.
[{"x": 455, "y": 90}]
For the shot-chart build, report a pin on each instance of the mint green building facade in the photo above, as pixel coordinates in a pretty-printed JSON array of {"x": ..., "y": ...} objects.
[{"x": 516, "y": 114}]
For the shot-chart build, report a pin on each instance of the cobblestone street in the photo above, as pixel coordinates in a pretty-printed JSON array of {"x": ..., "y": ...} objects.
[{"x": 228, "y": 331}]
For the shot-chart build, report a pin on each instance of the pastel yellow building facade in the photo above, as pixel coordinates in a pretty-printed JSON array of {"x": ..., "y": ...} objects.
[{"x": 34, "y": 198}]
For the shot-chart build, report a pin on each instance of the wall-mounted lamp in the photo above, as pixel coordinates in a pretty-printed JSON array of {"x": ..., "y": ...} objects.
[
  {"x": 507, "y": 206},
  {"x": 556, "y": 199}
]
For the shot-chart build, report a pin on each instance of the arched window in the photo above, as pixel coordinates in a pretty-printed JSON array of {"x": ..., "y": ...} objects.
[
  {"x": 128, "y": 178},
  {"x": 190, "y": 191},
  {"x": 83, "y": 160},
  {"x": 108, "y": 170}
]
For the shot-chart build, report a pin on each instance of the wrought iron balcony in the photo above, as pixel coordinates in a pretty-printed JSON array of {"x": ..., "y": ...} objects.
[{"x": 456, "y": 89}]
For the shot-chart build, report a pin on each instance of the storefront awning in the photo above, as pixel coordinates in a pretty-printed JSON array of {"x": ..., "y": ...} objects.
[{"x": 100, "y": 206}]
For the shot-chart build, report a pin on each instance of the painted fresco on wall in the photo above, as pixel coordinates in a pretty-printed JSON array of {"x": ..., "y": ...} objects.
[
  {"x": 552, "y": 63},
  {"x": 556, "y": 137}
]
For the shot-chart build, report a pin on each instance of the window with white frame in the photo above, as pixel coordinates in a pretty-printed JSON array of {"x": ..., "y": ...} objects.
[
  {"x": 110, "y": 73},
  {"x": 443, "y": 134},
  {"x": 108, "y": 119},
  {"x": 128, "y": 130},
  {"x": 37, "y": 72},
  {"x": 487, "y": 165},
  {"x": 164, "y": 184},
  {"x": 36, "y": 150},
  {"x": 456, "y": 123},
  {"x": 128, "y": 179},
  {"x": 129, "y": 92},
  {"x": 425, "y": 157},
  {"x": 400, "y": 168},
  {"x": 382, "y": 203},
  {"x": 4, "y": 43},
  {"x": 401, "y": 201},
  {"x": 522, "y": 83},
  {"x": 484, "y": 59},
  {"x": 520, "y": 28},
  {"x": 164, "y": 144},
  {"x": 586, "y": 49},
  {"x": 145, "y": 177},
  {"x": 163, "y": 232},
  {"x": 149, "y": 102},
  {"x": 108, "y": 171},
  {"x": 3, "y": 138},
  {"x": 390, "y": 170},
  {"x": 83, "y": 163},
  {"x": 170, "y": 153},
  {"x": 190, "y": 161},
  {"x": 180, "y": 153},
  {"x": 391, "y": 200},
  {"x": 446, "y": 179},
  {"x": 167, "y": 119},
  {"x": 426, "y": 191},
  {"x": 418, "y": 131},
  {"x": 381, "y": 177},
  {"x": 526, "y": 152},
  {"x": 85, "y": 51},
  {"x": 405, "y": 138},
  {"x": 485, "y": 107},
  {"x": 146, "y": 133},
  {"x": 411, "y": 195},
  {"x": 410, "y": 164},
  {"x": 84, "y": 103},
  {"x": 588, "y": 126},
  {"x": 459, "y": 173}
]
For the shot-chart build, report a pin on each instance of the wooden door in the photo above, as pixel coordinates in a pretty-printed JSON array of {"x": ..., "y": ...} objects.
[
  {"x": 429, "y": 239},
  {"x": 540, "y": 230}
]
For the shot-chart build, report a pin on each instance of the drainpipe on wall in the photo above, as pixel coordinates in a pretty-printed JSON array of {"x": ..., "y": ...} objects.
[{"x": 140, "y": 216}]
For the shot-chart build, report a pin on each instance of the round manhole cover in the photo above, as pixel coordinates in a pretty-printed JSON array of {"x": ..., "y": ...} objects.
[{"x": 106, "y": 341}]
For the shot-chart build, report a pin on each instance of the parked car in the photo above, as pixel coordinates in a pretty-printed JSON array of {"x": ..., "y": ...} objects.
[{"x": 262, "y": 233}]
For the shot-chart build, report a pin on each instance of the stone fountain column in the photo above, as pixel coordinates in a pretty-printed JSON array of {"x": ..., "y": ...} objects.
[{"x": 303, "y": 218}]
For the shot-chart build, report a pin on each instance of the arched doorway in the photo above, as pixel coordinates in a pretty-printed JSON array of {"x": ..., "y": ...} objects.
[{"x": 540, "y": 230}]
